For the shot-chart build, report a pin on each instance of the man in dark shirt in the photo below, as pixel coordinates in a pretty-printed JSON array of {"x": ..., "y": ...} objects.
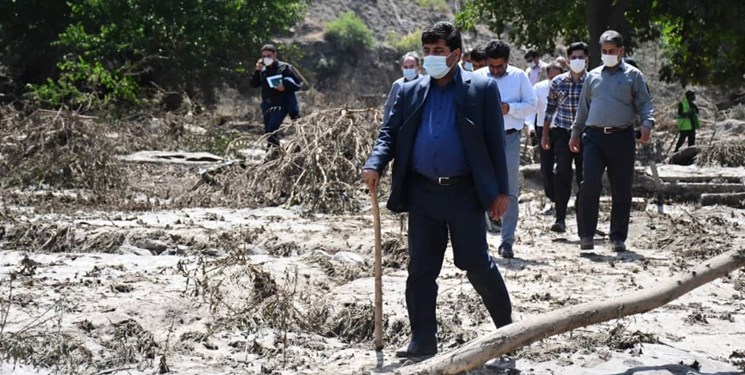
[
  {"x": 446, "y": 136},
  {"x": 278, "y": 82}
]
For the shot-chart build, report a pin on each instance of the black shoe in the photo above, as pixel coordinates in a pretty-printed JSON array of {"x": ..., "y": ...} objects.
[
  {"x": 559, "y": 226},
  {"x": 505, "y": 250},
  {"x": 416, "y": 350},
  {"x": 586, "y": 243},
  {"x": 618, "y": 246}
]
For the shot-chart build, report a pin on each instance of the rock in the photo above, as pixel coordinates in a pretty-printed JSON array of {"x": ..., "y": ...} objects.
[
  {"x": 195, "y": 129},
  {"x": 686, "y": 156},
  {"x": 349, "y": 258}
]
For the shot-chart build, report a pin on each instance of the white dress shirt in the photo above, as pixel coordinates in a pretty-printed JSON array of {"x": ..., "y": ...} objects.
[
  {"x": 541, "y": 90},
  {"x": 515, "y": 90}
]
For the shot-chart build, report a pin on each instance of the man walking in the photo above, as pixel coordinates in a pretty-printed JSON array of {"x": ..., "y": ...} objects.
[
  {"x": 447, "y": 139},
  {"x": 518, "y": 102},
  {"x": 614, "y": 97},
  {"x": 278, "y": 83},
  {"x": 536, "y": 69},
  {"x": 563, "y": 101},
  {"x": 535, "y": 125}
]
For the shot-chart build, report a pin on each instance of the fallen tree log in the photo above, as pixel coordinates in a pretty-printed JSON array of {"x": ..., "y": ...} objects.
[
  {"x": 736, "y": 200},
  {"x": 516, "y": 335}
]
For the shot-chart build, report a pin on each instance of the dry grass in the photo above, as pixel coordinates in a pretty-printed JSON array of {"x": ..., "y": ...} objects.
[{"x": 722, "y": 153}]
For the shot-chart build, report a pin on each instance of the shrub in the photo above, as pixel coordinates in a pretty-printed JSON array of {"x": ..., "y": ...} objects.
[
  {"x": 348, "y": 33},
  {"x": 407, "y": 43}
]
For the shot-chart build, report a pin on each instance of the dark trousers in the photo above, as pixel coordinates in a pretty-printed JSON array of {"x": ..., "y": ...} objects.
[
  {"x": 547, "y": 165},
  {"x": 436, "y": 212},
  {"x": 559, "y": 140},
  {"x": 274, "y": 114},
  {"x": 690, "y": 134},
  {"x": 615, "y": 152}
]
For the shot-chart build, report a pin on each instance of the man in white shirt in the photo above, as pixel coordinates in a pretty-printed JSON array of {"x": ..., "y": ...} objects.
[
  {"x": 518, "y": 101},
  {"x": 536, "y": 129},
  {"x": 536, "y": 69}
]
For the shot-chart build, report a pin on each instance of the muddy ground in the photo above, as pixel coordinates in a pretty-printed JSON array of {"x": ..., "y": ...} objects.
[{"x": 216, "y": 290}]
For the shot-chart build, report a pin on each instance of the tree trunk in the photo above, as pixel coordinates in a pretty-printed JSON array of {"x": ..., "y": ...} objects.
[
  {"x": 736, "y": 200},
  {"x": 604, "y": 15},
  {"x": 516, "y": 335}
]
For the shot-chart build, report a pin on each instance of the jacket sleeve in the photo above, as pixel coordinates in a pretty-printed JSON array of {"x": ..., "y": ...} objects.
[
  {"x": 494, "y": 130},
  {"x": 290, "y": 79},
  {"x": 385, "y": 146},
  {"x": 388, "y": 106},
  {"x": 256, "y": 79}
]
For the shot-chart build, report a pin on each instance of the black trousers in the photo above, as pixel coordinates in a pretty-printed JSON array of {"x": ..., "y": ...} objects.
[
  {"x": 434, "y": 213},
  {"x": 690, "y": 134},
  {"x": 559, "y": 139},
  {"x": 615, "y": 152},
  {"x": 547, "y": 165}
]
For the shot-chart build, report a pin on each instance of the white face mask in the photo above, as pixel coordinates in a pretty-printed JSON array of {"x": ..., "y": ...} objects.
[
  {"x": 577, "y": 65},
  {"x": 609, "y": 60},
  {"x": 468, "y": 66},
  {"x": 409, "y": 74},
  {"x": 268, "y": 61},
  {"x": 436, "y": 66}
]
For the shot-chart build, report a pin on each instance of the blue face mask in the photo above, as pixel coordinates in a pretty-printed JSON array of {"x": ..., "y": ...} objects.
[
  {"x": 409, "y": 74},
  {"x": 436, "y": 66},
  {"x": 468, "y": 66}
]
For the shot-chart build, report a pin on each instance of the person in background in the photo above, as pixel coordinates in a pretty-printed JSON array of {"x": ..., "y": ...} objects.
[
  {"x": 688, "y": 120},
  {"x": 446, "y": 138},
  {"x": 277, "y": 97},
  {"x": 465, "y": 61},
  {"x": 561, "y": 110},
  {"x": 478, "y": 58},
  {"x": 614, "y": 97},
  {"x": 410, "y": 71},
  {"x": 536, "y": 69},
  {"x": 535, "y": 127},
  {"x": 518, "y": 102}
]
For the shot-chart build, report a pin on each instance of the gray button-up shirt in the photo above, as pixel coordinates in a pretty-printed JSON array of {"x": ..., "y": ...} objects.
[{"x": 614, "y": 99}]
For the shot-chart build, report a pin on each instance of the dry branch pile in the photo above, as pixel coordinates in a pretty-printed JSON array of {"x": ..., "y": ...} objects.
[
  {"x": 722, "y": 153},
  {"x": 60, "y": 149},
  {"x": 317, "y": 167}
]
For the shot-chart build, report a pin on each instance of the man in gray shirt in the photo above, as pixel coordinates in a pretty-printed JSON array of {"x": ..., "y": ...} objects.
[{"x": 614, "y": 97}]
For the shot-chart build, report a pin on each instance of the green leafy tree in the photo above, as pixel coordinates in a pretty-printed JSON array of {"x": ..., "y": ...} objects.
[
  {"x": 704, "y": 41},
  {"x": 349, "y": 33},
  {"x": 188, "y": 46}
]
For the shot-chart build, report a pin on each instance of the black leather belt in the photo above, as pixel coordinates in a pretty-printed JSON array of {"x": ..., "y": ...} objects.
[
  {"x": 447, "y": 181},
  {"x": 611, "y": 129},
  {"x": 510, "y": 131}
]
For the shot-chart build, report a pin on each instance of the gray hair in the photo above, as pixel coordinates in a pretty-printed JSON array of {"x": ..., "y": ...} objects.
[
  {"x": 612, "y": 36},
  {"x": 413, "y": 55}
]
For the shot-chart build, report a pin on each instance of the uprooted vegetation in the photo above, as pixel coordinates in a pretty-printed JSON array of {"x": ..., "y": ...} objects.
[{"x": 729, "y": 153}]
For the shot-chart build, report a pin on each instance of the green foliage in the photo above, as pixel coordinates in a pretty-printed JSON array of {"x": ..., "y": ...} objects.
[
  {"x": 190, "y": 46},
  {"x": 85, "y": 85},
  {"x": 349, "y": 33},
  {"x": 703, "y": 41},
  {"x": 435, "y": 5},
  {"x": 407, "y": 43}
]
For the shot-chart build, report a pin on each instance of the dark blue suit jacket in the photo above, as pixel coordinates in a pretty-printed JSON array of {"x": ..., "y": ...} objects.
[{"x": 479, "y": 117}]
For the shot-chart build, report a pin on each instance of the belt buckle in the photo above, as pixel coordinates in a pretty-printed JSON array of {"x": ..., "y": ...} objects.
[
  {"x": 443, "y": 181},
  {"x": 607, "y": 130}
]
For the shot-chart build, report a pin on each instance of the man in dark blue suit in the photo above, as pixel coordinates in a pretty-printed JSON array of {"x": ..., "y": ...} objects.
[{"x": 446, "y": 135}]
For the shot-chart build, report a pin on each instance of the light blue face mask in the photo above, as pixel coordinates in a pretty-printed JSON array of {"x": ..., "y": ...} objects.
[
  {"x": 468, "y": 66},
  {"x": 436, "y": 66},
  {"x": 409, "y": 74}
]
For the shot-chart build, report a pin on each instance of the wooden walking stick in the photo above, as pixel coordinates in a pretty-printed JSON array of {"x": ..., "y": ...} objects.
[{"x": 378, "y": 333}]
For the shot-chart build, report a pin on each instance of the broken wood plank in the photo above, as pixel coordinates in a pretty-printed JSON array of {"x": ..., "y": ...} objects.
[{"x": 735, "y": 200}]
